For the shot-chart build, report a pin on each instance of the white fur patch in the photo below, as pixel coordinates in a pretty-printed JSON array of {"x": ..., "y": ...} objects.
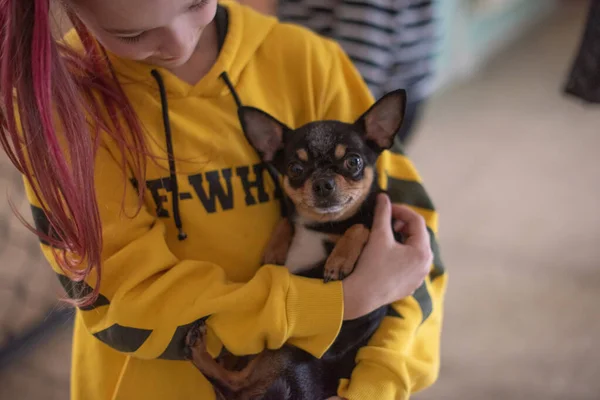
[{"x": 307, "y": 249}]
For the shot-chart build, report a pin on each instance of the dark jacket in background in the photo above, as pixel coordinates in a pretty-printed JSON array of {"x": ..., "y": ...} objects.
[{"x": 584, "y": 78}]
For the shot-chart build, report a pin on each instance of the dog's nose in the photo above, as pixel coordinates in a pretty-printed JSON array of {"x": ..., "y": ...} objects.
[{"x": 324, "y": 187}]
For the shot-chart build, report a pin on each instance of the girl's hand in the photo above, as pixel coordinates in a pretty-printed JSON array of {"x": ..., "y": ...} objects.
[{"x": 388, "y": 271}]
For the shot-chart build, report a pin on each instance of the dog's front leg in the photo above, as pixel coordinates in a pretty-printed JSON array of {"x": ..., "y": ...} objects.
[
  {"x": 277, "y": 249},
  {"x": 346, "y": 252}
]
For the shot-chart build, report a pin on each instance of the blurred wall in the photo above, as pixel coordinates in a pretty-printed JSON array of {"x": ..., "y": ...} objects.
[{"x": 473, "y": 31}]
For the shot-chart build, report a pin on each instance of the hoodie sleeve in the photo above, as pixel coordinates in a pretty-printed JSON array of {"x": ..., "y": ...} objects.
[
  {"x": 149, "y": 298},
  {"x": 403, "y": 355}
]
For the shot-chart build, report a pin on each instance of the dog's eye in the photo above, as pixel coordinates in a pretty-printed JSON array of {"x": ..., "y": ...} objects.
[
  {"x": 295, "y": 170},
  {"x": 354, "y": 163}
]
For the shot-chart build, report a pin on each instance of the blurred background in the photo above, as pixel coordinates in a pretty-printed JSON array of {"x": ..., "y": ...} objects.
[{"x": 512, "y": 165}]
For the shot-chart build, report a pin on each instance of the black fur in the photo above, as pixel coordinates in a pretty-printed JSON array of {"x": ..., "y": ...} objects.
[
  {"x": 309, "y": 378},
  {"x": 303, "y": 376}
]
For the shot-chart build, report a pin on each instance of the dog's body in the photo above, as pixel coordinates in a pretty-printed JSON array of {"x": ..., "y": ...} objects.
[
  {"x": 308, "y": 377},
  {"x": 331, "y": 188}
]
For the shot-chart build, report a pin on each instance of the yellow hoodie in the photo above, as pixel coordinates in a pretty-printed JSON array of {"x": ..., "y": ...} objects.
[{"x": 128, "y": 345}]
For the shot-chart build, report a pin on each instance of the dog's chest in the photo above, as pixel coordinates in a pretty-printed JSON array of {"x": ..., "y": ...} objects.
[{"x": 307, "y": 249}]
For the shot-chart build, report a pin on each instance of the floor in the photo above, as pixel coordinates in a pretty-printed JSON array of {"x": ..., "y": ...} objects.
[{"x": 514, "y": 170}]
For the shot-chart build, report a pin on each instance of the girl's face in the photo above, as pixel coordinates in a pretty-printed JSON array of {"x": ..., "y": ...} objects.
[{"x": 164, "y": 33}]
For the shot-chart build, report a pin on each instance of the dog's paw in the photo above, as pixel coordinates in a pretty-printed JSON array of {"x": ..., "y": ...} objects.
[
  {"x": 337, "y": 269},
  {"x": 195, "y": 339},
  {"x": 345, "y": 254}
]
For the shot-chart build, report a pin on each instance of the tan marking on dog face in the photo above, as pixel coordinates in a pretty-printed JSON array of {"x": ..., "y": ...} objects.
[
  {"x": 360, "y": 190},
  {"x": 302, "y": 155},
  {"x": 297, "y": 195},
  {"x": 340, "y": 151},
  {"x": 352, "y": 192},
  {"x": 304, "y": 201}
]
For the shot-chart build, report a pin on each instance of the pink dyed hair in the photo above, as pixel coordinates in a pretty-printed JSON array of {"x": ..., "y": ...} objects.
[{"x": 61, "y": 96}]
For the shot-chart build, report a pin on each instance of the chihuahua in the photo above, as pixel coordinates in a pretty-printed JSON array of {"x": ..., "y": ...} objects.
[{"x": 330, "y": 185}]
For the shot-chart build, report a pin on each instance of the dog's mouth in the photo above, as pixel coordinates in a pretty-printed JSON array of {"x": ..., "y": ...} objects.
[
  {"x": 325, "y": 209},
  {"x": 328, "y": 200}
]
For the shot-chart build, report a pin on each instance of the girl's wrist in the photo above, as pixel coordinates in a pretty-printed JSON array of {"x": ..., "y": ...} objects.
[{"x": 354, "y": 304}]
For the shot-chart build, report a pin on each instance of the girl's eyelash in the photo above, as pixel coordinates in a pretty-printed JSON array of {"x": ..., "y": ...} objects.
[
  {"x": 131, "y": 39},
  {"x": 199, "y": 5},
  {"x": 135, "y": 39}
]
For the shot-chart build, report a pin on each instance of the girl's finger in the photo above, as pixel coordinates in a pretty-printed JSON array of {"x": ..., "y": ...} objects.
[
  {"x": 398, "y": 225},
  {"x": 383, "y": 216},
  {"x": 414, "y": 225}
]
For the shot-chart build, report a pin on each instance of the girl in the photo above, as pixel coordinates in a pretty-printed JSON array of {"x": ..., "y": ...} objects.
[{"x": 154, "y": 210}]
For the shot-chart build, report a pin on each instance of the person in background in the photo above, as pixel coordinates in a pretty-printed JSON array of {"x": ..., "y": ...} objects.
[
  {"x": 392, "y": 43},
  {"x": 583, "y": 79}
]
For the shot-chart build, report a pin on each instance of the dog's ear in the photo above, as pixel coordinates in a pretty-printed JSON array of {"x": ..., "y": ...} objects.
[
  {"x": 383, "y": 120},
  {"x": 264, "y": 132}
]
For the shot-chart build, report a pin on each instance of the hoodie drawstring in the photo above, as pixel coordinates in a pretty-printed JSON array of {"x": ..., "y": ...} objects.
[
  {"x": 270, "y": 168},
  {"x": 169, "y": 139},
  {"x": 227, "y": 81},
  {"x": 170, "y": 153}
]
